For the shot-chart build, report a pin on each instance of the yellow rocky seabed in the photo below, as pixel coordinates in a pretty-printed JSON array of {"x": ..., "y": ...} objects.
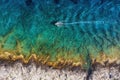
[{"x": 62, "y": 61}]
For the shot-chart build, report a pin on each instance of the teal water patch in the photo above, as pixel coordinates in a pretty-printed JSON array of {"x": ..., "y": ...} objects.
[{"x": 31, "y": 23}]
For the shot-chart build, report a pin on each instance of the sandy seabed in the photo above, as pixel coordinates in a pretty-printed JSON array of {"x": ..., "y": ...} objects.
[{"x": 19, "y": 71}]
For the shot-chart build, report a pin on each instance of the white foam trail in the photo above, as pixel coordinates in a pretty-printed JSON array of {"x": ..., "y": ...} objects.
[{"x": 60, "y": 23}]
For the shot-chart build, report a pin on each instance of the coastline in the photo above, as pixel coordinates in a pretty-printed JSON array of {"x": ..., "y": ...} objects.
[{"x": 31, "y": 71}]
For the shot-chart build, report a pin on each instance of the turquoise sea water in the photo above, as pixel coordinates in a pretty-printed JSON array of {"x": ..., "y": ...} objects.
[{"x": 31, "y": 25}]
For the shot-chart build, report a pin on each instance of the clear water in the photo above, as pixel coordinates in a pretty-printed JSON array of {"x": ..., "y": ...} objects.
[{"x": 28, "y": 26}]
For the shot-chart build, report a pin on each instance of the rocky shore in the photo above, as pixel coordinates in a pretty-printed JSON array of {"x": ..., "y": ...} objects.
[{"x": 19, "y": 71}]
